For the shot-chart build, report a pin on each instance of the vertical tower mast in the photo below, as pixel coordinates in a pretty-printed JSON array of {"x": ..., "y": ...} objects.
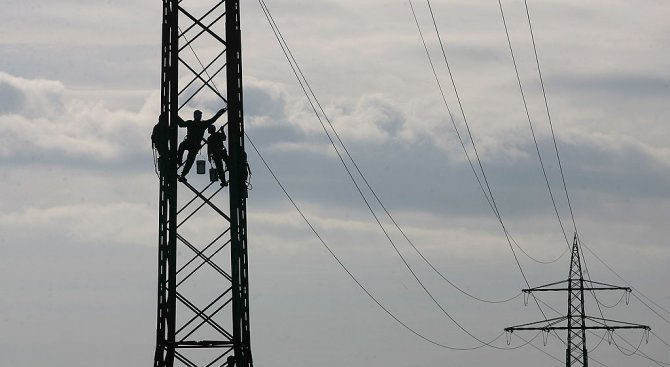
[
  {"x": 576, "y": 351},
  {"x": 576, "y": 319},
  {"x": 203, "y": 287}
]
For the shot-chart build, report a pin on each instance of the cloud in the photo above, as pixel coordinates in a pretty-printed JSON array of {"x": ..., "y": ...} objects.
[
  {"x": 374, "y": 118},
  {"x": 113, "y": 223},
  {"x": 30, "y": 97},
  {"x": 80, "y": 195},
  {"x": 40, "y": 120},
  {"x": 376, "y": 128},
  {"x": 267, "y": 101},
  {"x": 11, "y": 97}
]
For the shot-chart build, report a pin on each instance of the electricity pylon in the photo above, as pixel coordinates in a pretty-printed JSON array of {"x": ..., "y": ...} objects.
[
  {"x": 203, "y": 290},
  {"x": 575, "y": 322}
]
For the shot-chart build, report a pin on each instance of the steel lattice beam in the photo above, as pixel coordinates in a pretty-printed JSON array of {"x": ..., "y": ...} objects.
[{"x": 203, "y": 290}]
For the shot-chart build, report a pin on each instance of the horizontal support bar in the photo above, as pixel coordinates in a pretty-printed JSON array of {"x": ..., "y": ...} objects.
[
  {"x": 551, "y": 328},
  {"x": 574, "y": 289},
  {"x": 204, "y": 344}
]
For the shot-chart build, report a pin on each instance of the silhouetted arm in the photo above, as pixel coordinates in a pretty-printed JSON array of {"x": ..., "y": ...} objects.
[
  {"x": 216, "y": 117},
  {"x": 180, "y": 122}
]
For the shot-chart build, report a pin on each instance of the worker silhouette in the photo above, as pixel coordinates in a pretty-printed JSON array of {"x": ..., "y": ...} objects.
[
  {"x": 195, "y": 130},
  {"x": 216, "y": 152},
  {"x": 246, "y": 174},
  {"x": 159, "y": 140}
]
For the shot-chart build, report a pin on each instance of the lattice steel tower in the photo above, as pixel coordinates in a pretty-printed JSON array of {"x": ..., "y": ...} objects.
[
  {"x": 203, "y": 292},
  {"x": 576, "y": 325}
]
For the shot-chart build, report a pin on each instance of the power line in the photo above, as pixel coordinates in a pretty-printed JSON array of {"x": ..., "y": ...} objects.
[
  {"x": 544, "y": 94},
  {"x": 624, "y": 351},
  {"x": 488, "y": 192},
  {"x": 540, "y": 349},
  {"x": 530, "y": 124},
  {"x": 347, "y": 270},
  {"x": 309, "y": 93},
  {"x": 636, "y": 351},
  {"x": 465, "y": 150},
  {"x": 660, "y": 339},
  {"x": 558, "y": 158},
  {"x": 563, "y": 178},
  {"x": 623, "y": 295},
  {"x": 546, "y": 104},
  {"x": 640, "y": 353},
  {"x": 293, "y": 62},
  {"x": 345, "y": 149},
  {"x": 460, "y": 139},
  {"x": 494, "y": 206},
  {"x": 627, "y": 283},
  {"x": 358, "y": 282},
  {"x": 563, "y": 342}
]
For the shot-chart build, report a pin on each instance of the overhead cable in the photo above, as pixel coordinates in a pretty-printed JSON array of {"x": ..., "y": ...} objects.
[
  {"x": 530, "y": 124},
  {"x": 355, "y": 279},
  {"x": 546, "y": 104},
  {"x": 496, "y": 211},
  {"x": 444, "y": 311},
  {"x": 639, "y": 353},
  {"x": 315, "y": 103},
  {"x": 635, "y": 290},
  {"x": 558, "y": 158},
  {"x": 488, "y": 193}
]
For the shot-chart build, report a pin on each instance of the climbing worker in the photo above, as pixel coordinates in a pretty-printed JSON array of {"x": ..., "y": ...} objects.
[
  {"x": 246, "y": 174},
  {"x": 159, "y": 139},
  {"x": 216, "y": 152},
  {"x": 195, "y": 130}
]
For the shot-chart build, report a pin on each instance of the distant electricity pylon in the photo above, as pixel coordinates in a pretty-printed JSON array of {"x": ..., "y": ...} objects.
[
  {"x": 576, "y": 320},
  {"x": 203, "y": 292}
]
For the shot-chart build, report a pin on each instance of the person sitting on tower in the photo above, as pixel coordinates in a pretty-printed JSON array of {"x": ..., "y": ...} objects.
[
  {"x": 216, "y": 151},
  {"x": 195, "y": 130}
]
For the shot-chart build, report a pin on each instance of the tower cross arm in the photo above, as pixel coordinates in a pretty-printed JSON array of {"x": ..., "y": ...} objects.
[
  {"x": 544, "y": 325},
  {"x": 597, "y": 324},
  {"x": 604, "y": 286},
  {"x": 614, "y": 324},
  {"x": 546, "y": 287},
  {"x": 588, "y": 286}
]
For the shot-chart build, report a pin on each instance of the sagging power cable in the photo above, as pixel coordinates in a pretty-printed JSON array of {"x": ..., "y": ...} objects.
[
  {"x": 358, "y": 282},
  {"x": 638, "y": 352},
  {"x": 635, "y": 290},
  {"x": 472, "y": 141},
  {"x": 486, "y": 191},
  {"x": 295, "y": 67},
  {"x": 316, "y": 106},
  {"x": 530, "y": 124},
  {"x": 551, "y": 125},
  {"x": 567, "y": 195}
]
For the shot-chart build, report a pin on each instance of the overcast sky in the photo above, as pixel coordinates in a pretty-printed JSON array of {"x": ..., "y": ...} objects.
[{"x": 79, "y": 85}]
